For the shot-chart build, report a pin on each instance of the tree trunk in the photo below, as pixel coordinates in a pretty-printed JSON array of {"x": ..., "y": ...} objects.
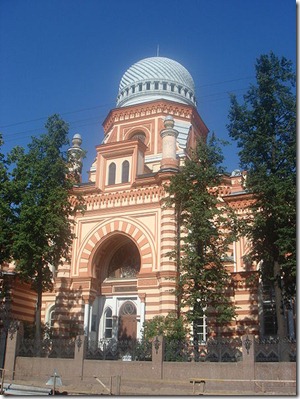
[
  {"x": 38, "y": 326},
  {"x": 281, "y": 322}
]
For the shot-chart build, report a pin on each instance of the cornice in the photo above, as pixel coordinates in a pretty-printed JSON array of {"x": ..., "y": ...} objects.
[
  {"x": 153, "y": 108},
  {"x": 144, "y": 195}
]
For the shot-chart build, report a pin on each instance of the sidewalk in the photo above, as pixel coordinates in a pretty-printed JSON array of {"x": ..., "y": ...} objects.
[{"x": 134, "y": 387}]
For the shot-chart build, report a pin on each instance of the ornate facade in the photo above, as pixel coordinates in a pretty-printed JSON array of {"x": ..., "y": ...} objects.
[{"x": 120, "y": 273}]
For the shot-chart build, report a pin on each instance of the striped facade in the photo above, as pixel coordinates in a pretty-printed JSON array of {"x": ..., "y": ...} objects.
[{"x": 120, "y": 273}]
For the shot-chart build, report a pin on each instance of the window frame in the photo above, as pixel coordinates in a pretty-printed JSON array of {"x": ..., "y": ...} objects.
[
  {"x": 125, "y": 171},
  {"x": 111, "y": 174},
  {"x": 107, "y": 328}
]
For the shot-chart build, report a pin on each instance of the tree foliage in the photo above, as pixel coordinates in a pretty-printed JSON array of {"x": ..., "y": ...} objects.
[
  {"x": 264, "y": 126},
  {"x": 205, "y": 228},
  {"x": 43, "y": 227},
  {"x": 171, "y": 327},
  {"x": 6, "y": 213}
]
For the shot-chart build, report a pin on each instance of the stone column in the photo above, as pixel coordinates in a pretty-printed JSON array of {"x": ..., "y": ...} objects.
[
  {"x": 87, "y": 316},
  {"x": 79, "y": 354},
  {"x": 11, "y": 352},
  {"x": 158, "y": 350},
  {"x": 169, "y": 136}
]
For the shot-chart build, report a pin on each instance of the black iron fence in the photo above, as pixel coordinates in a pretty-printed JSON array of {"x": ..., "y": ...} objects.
[
  {"x": 56, "y": 348},
  {"x": 275, "y": 349},
  {"x": 112, "y": 349},
  {"x": 213, "y": 350}
]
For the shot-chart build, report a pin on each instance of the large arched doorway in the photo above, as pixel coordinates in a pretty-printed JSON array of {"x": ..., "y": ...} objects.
[{"x": 117, "y": 310}]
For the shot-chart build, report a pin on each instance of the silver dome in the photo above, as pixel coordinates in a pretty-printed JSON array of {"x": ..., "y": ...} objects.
[{"x": 156, "y": 78}]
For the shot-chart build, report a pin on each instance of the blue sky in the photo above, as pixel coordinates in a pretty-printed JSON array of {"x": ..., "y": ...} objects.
[{"x": 68, "y": 57}]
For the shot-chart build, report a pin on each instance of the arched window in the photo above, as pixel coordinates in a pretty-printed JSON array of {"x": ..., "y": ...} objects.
[
  {"x": 50, "y": 319},
  {"x": 125, "y": 171},
  {"x": 128, "y": 308},
  {"x": 125, "y": 262},
  {"x": 112, "y": 173},
  {"x": 108, "y": 323},
  {"x": 52, "y": 316}
]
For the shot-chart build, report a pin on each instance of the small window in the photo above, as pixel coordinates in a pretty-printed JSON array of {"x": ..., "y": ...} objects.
[
  {"x": 140, "y": 87},
  {"x": 200, "y": 329},
  {"x": 51, "y": 316},
  {"x": 108, "y": 323},
  {"x": 125, "y": 172},
  {"x": 156, "y": 85},
  {"x": 133, "y": 89},
  {"x": 112, "y": 174},
  {"x": 94, "y": 322},
  {"x": 172, "y": 87},
  {"x": 269, "y": 312},
  {"x": 164, "y": 86},
  {"x": 148, "y": 86}
]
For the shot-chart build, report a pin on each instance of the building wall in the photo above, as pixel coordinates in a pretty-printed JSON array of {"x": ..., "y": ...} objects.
[{"x": 134, "y": 211}]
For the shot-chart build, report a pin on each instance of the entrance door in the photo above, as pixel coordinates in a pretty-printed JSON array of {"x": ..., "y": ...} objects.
[{"x": 127, "y": 321}]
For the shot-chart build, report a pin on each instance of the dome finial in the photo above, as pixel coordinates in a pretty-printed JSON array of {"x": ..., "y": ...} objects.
[{"x": 157, "y": 51}]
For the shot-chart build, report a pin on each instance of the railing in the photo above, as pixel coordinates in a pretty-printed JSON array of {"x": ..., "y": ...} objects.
[
  {"x": 111, "y": 349},
  {"x": 214, "y": 350},
  {"x": 275, "y": 350},
  {"x": 56, "y": 348}
]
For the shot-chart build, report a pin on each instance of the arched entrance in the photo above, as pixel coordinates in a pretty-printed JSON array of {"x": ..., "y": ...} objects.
[
  {"x": 127, "y": 321},
  {"x": 117, "y": 311}
]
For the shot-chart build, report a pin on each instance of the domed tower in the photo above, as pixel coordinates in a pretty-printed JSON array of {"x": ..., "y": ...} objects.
[
  {"x": 120, "y": 260},
  {"x": 149, "y": 91}
]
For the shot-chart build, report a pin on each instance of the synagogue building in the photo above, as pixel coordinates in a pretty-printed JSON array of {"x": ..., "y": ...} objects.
[{"x": 120, "y": 273}]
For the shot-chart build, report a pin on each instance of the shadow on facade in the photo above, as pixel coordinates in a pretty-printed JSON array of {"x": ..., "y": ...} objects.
[
  {"x": 67, "y": 317},
  {"x": 247, "y": 285}
]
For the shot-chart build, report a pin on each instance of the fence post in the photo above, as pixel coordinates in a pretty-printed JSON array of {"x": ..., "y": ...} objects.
[
  {"x": 248, "y": 351},
  {"x": 158, "y": 350},
  {"x": 11, "y": 351},
  {"x": 79, "y": 354}
]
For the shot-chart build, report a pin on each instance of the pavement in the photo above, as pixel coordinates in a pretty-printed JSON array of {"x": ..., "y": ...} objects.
[{"x": 137, "y": 387}]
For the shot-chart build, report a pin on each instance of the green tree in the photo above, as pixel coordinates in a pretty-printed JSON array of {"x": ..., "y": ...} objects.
[
  {"x": 264, "y": 126},
  {"x": 169, "y": 326},
  {"x": 43, "y": 231},
  {"x": 6, "y": 212},
  {"x": 204, "y": 230}
]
